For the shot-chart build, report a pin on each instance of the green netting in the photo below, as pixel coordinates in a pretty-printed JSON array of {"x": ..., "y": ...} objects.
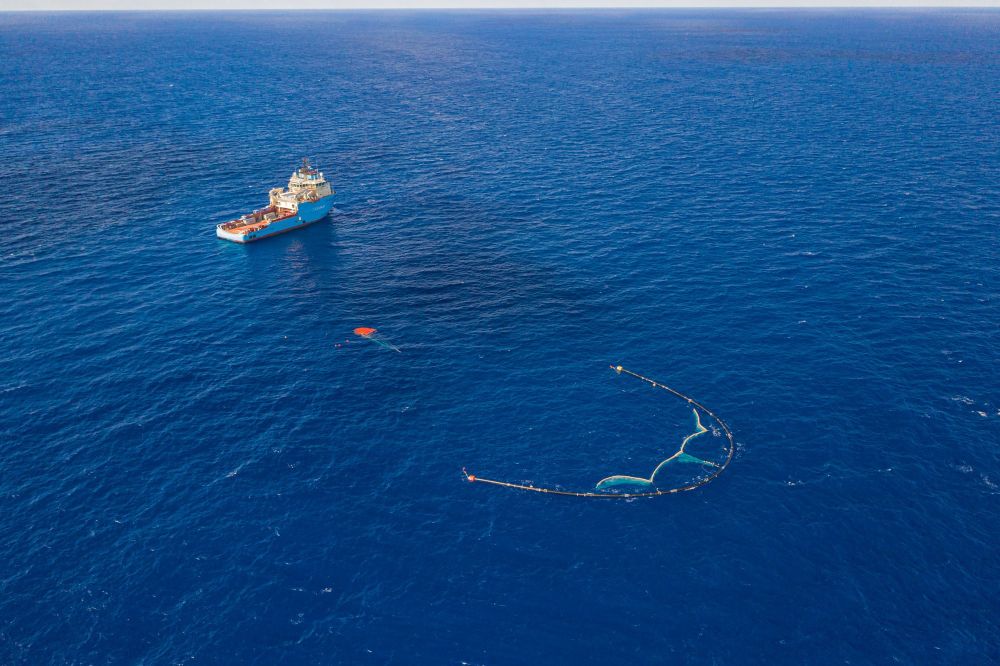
[
  {"x": 680, "y": 456},
  {"x": 614, "y": 481},
  {"x": 688, "y": 458}
]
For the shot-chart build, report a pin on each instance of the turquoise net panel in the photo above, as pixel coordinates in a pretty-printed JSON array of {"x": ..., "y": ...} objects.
[{"x": 680, "y": 456}]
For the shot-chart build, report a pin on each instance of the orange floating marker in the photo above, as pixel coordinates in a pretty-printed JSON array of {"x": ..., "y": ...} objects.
[{"x": 369, "y": 334}]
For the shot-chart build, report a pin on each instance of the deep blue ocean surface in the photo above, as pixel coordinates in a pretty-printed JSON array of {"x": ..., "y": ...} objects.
[{"x": 792, "y": 217}]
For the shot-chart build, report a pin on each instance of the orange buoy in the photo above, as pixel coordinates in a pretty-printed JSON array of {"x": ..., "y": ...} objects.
[{"x": 364, "y": 331}]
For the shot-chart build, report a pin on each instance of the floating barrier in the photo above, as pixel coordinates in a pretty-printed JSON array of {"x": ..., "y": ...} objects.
[{"x": 681, "y": 456}]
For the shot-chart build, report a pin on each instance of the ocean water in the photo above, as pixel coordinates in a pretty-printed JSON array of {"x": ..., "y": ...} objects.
[{"x": 793, "y": 217}]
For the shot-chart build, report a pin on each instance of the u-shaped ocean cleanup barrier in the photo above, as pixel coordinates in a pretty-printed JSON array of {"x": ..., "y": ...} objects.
[{"x": 612, "y": 481}]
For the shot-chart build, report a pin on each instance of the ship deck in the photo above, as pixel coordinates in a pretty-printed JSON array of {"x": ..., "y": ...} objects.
[{"x": 249, "y": 226}]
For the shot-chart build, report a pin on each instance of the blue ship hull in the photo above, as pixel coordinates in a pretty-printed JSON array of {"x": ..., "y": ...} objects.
[{"x": 313, "y": 212}]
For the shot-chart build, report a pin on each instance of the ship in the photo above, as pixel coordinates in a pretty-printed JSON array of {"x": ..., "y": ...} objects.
[{"x": 307, "y": 199}]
